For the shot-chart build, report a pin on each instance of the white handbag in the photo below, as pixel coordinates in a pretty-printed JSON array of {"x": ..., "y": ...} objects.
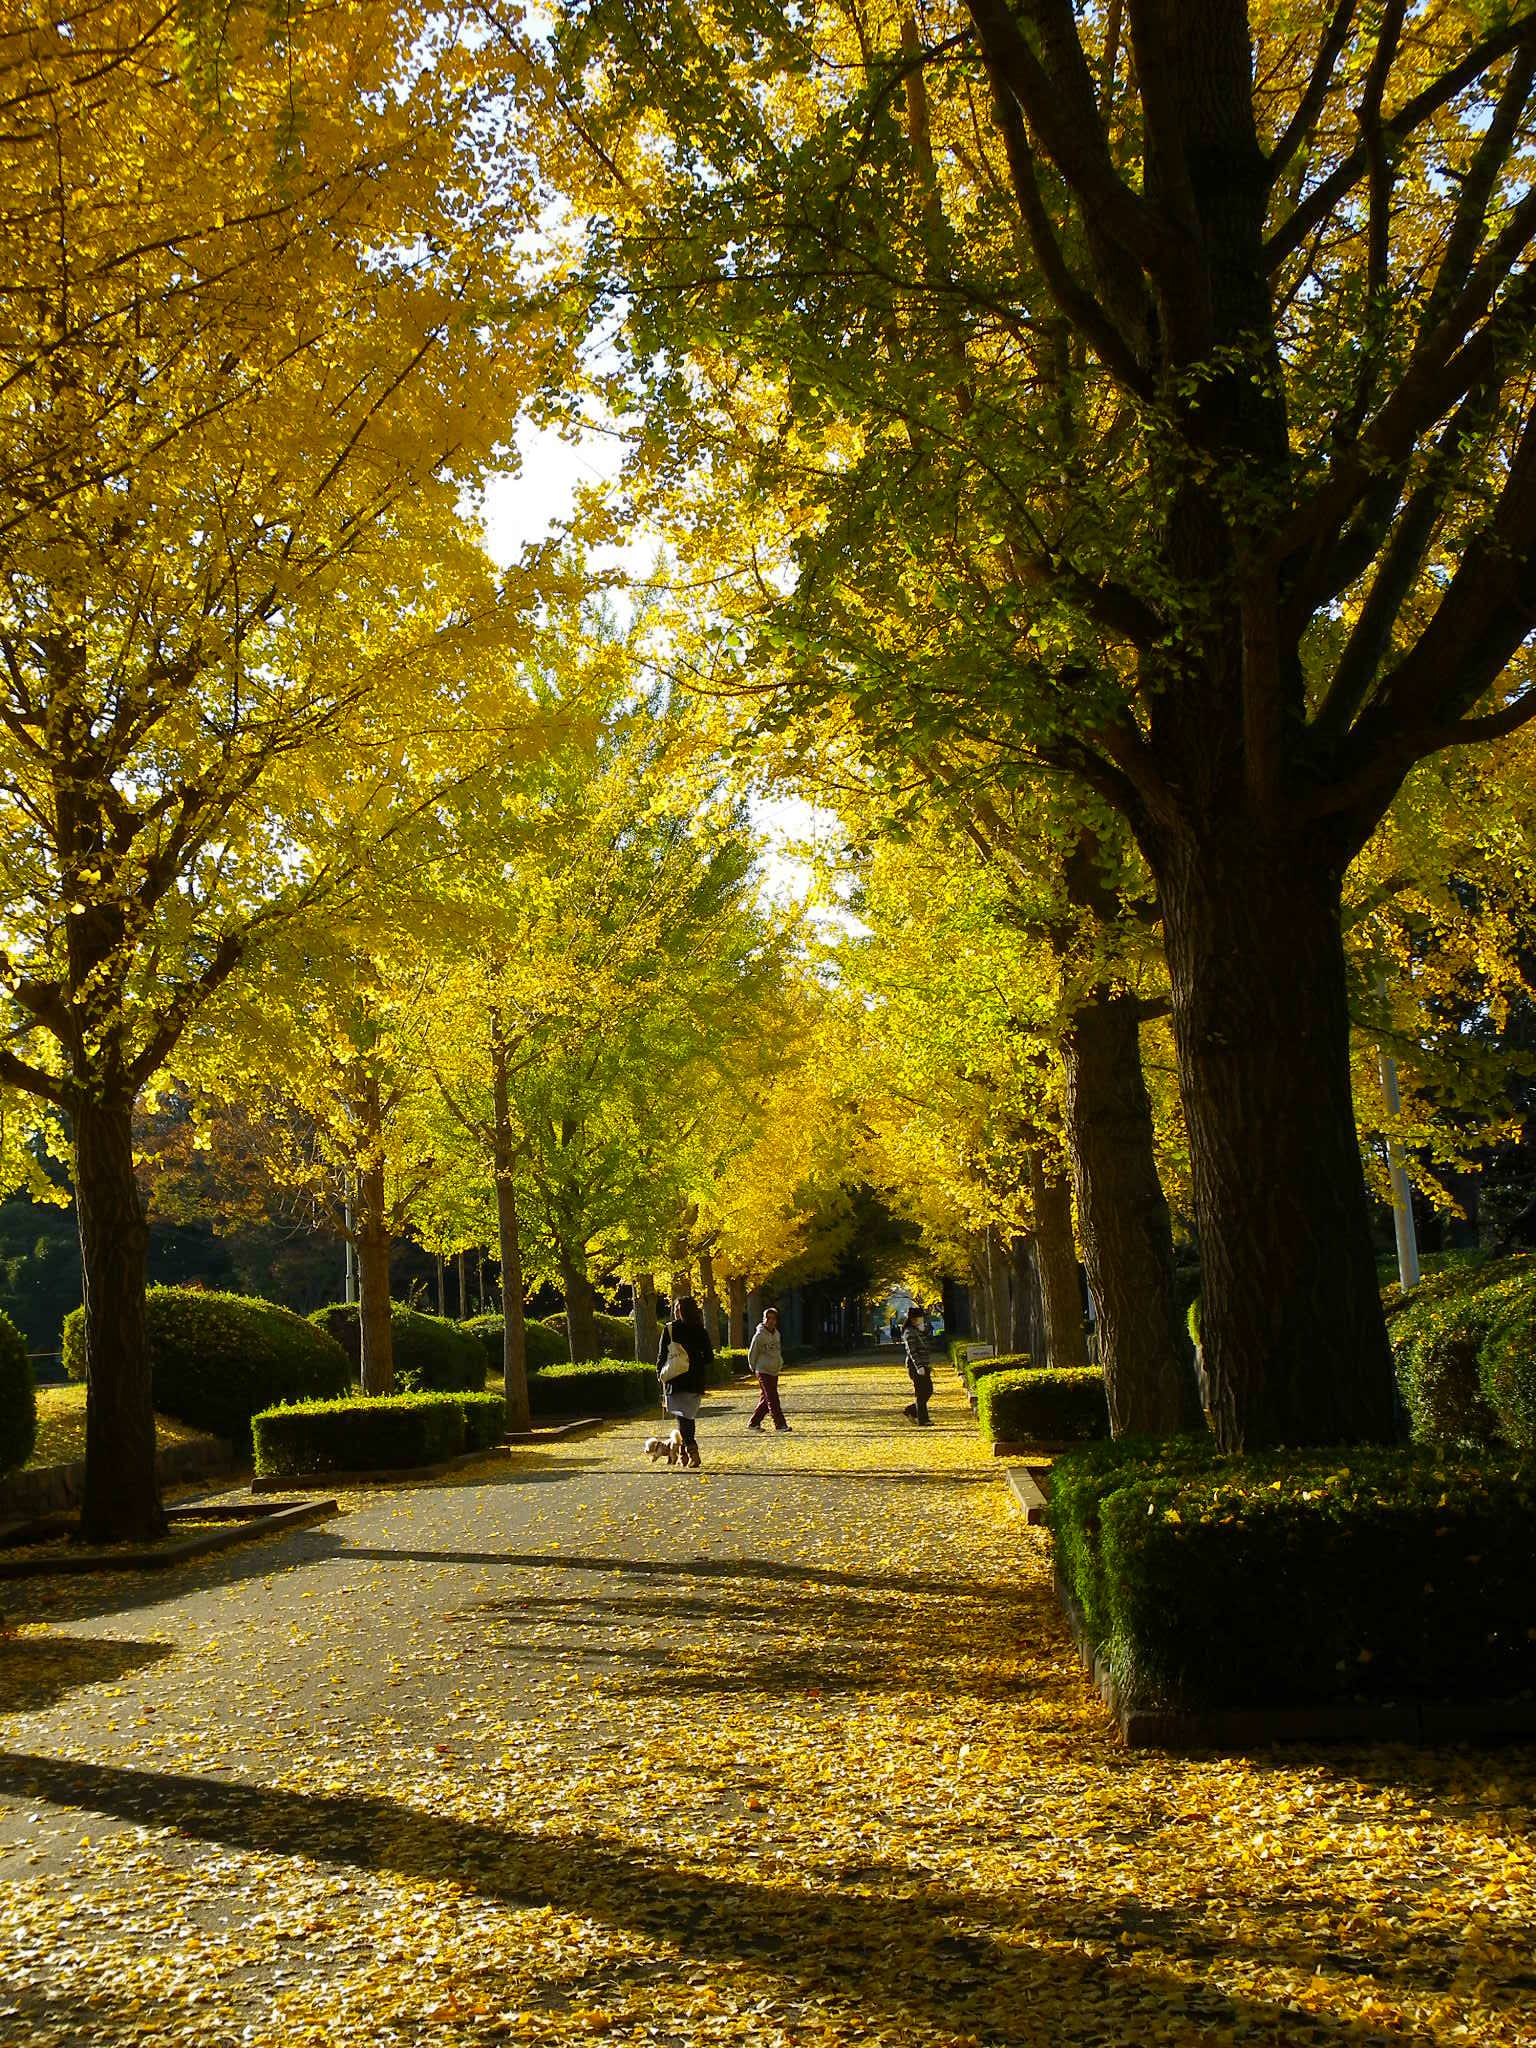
[{"x": 677, "y": 1363}]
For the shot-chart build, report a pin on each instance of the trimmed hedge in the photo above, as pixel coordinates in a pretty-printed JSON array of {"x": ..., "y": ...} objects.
[
  {"x": 1300, "y": 1578},
  {"x": 432, "y": 1354},
  {"x": 542, "y": 1346},
  {"x": 374, "y": 1434},
  {"x": 1039, "y": 1405},
  {"x": 1464, "y": 1345},
  {"x": 215, "y": 1360},
  {"x": 1012, "y": 1361},
  {"x": 18, "y": 1398},
  {"x": 599, "y": 1386},
  {"x": 615, "y": 1334},
  {"x": 363, "y": 1433}
]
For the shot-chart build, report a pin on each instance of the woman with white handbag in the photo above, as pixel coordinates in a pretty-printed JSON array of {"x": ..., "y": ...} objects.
[{"x": 682, "y": 1366}]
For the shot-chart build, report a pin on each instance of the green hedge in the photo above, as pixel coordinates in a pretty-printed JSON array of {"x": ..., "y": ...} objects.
[
  {"x": 615, "y": 1335},
  {"x": 432, "y": 1354},
  {"x": 978, "y": 1369},
  {"x": 386, "y": 1433},
  {"x": 1464, "y": 1345},
  {"x": 542, "y": 1346},
  {"x": 959, "y": 1349},
  {"x": 216, "y": 1359},
  {"x": 729, "y": 1365},
  {"x": 600, "y": 1386},
  {"x": 1043, "y": 1406},
  {"x": 1300, "y": 1578},
  {"x": 18, "y": 1398}
]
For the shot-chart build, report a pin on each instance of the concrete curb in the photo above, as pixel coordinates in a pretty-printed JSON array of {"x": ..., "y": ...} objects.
[
  {"x": 245, "y": 1524},
  {"x": 554, "y": 1431},
  {"x": 1026, "y": 1491},
  {"x": 398, "y": 1475}
]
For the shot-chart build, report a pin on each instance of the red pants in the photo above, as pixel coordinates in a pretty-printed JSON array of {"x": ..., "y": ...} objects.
[{"x": 769, "y": 1403}]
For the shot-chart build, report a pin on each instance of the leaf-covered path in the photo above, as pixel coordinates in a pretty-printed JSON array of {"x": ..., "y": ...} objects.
[{"x": 791, "y": 1750}]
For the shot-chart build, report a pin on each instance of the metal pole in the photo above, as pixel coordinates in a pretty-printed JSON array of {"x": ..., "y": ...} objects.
[{"x": 1402, "y": 1188}]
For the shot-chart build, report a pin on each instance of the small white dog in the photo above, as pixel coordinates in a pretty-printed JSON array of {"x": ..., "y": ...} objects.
[{"x": 668, "y": 1447}]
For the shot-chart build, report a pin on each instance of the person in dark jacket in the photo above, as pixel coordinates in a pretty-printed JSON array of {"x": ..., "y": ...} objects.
[
  {"x": 682, "y": 1393},
  {"x": 914, "y": 1344}
]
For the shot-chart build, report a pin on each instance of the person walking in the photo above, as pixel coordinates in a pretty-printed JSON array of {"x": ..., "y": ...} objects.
[
  {"x": 765, "y": 1357},
  {"x": 682, "y": 1365},
  {"x": 914, "y": 1344}
]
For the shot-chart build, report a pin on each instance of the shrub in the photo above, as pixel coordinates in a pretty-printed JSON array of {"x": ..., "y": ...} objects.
[
  {"x": 542, "y": 1346},
  {"x": 432, "y": 1354},
  {"x": 1507, "y": 1367},
  {"x": 18, "y": 1398},
  {"x": 362, "y": 1433},
  {"x": 959, "y": 1349},
  {"x": 1305, "y": 1577},
  {"x": 982, "y": 1368},
  {"x": 729, "y": 1365},
  {"x": 216, "y": 1359},
  {"x": 600, "y": 1386},
  {"x": 1043, "y": 1406},
  {"x": 615, "y": 1335},
  {"x": 1440, "y": 1335},
  {"x": 485, "y": 1419}
]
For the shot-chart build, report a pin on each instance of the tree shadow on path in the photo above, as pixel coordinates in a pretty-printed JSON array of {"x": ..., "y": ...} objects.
[{"x": 883, "y": 1954}]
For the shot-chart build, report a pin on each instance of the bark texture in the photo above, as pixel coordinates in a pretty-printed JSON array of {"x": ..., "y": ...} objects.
[
  {"x": 580, "y": 1304},
  {"x": 1026, "y": 1316},
  {"x": 1061, "y": 1296},
  {"x": 122, "y": 1496},
  {"x": 1295, "y": 1347},
  {"x": 736, "y": 1297},
  {"x": 1123, "y": 1215},
  {"x": 647, "y": 1322}
]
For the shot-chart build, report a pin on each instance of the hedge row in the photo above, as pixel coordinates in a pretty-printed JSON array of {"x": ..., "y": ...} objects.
[
  {"x": 599, "y": 1386},
  {"x": 542, "y": 1346},
  {"x": 216, "y": 1359},
  {"x": 1464, "y": 1343},
  {"x": 18, "y": 1398},
  {"x": 1030, "y": 1405},
  {"x": 615, "y": 1335},
  {"x": 1300, "y": 1577},
  {"x": 432, "y": 1354},
  {"x": 384, "y": 1433}
]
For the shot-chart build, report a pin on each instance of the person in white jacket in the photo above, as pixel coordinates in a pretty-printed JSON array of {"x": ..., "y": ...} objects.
[{"x": 765, "y": 1357}]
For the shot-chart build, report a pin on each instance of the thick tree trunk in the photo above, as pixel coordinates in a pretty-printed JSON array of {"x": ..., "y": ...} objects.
[
  {"x": 1061, "y": 1297},
  {"x": 736, "y": 1296},
  {"x": 647, "y": 1322},
  {"x": 1295, "y": 1346},
  {"x": 1123, "y": 1214},
  {"x": 580, "y": 1304},
  {"x": 756, "y": 1303},
  {"x": 995, "y": 1280},
  {"x": 1025, "y": 1314},
  {"x": 442, "y": 1299},
  {"x": 463, "y": 1277},
  {"x": 122, "y": 1496}
]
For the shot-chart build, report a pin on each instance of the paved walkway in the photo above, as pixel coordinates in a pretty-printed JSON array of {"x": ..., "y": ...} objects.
[{"x": 788, "y": 1751}]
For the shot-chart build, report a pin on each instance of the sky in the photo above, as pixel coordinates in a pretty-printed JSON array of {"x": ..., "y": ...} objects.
[{"x": 526, "y": 506}]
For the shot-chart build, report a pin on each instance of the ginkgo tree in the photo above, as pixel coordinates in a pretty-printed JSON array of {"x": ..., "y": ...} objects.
[
  {"x": 247, "y": 372},
  {"x": 1172, "y": 368}
]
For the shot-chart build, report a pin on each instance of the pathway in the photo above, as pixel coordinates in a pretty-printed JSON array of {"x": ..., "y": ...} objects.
[{"x": 789, "y": 1751}]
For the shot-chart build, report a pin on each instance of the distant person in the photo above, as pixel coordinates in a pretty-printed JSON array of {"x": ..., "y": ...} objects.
[
  {"x": 914, "y": 1344},
  {"x": 682, "y": 1365},
  {"x": 765, "y": 1357}
]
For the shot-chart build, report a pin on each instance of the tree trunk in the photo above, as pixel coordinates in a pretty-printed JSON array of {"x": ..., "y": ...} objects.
[
  {"x": 1061, "y": 1298},
  {"x": 442, "y": 1299},
  {"x": 711, "y": 1301},
  {"x": 755, "y": 1306},
  {"x": 1123, "y": 1214},
  {"x": 580, "y": 1304},
  {"x": 122, "y": 1495},
  {"x": 1295, "y": 1346},
  {"x": 995, "y": 1272},
  {"x": 736, "y": 1295},
  {"x": 463, "y": 1277},
  {"x": 1025, "y": 1315},
  {"x": 647, "y": 1324},
  {"x": 376, "y": 1337},
  {"x": 514, "y": 1340}
]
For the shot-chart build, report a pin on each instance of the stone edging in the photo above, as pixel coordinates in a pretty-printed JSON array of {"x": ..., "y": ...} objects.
[
  {"x": 555, "y": 1430},
  {"x": 1026, "y": 1491},
  {"x": 244, "y": 1525},
  {"x": 390, "y": 1475},
  {"x": 50, "y": 1489}
]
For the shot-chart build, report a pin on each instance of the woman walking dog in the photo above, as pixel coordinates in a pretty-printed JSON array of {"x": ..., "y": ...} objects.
[
  {"x": 682, "y": 1365},
  {"x": 765, "y": 1357}
]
